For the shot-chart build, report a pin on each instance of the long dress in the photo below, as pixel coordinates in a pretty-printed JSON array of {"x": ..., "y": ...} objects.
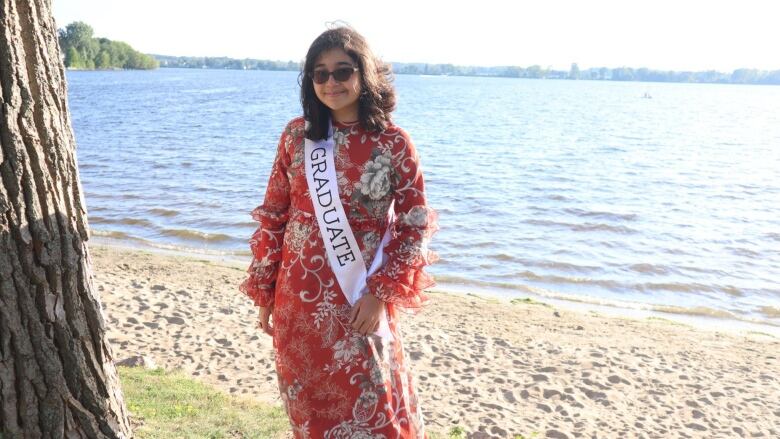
[{"x": 336, "y": 383}]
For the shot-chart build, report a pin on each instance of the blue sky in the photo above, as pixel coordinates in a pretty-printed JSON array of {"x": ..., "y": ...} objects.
[{"x": 662, "y": 34}]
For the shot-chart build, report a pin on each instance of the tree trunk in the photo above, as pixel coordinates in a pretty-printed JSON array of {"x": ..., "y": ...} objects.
[{"x": 57, "y": 376}]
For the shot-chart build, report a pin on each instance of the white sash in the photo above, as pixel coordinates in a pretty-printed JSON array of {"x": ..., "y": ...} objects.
[{"x": 342, "y": 248}]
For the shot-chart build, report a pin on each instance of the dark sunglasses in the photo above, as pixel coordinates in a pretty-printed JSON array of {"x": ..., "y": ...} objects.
[{"x": 341, "y": 74}]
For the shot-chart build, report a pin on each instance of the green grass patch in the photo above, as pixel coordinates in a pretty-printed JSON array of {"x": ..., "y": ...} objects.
[
  {"x": 668, "y": 321},
  {"x": 165, "y": 404},
  {"x": 528, "y": 301},
  {"x": 458, "y": 432},
  {"x": 483, "y": 298}
]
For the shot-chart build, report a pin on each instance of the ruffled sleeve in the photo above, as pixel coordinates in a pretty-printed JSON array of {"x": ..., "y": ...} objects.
[
  {"x": 402, "y": 279},
  {"x": 266, "y": 241}
]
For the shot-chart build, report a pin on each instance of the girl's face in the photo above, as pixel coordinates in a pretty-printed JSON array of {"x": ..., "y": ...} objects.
[{"x": 340, "y": 96}]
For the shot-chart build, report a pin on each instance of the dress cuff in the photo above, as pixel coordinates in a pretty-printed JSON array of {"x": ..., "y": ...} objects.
[
  {"x": 261, "y": 280},
  {"x": 261, "y": 294},
  {"x": 270, "y": 217},
  {"x": 407, "y": 294}
]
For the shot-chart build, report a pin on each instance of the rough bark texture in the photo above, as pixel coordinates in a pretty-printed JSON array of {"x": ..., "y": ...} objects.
[{"x": 57, "y": 376}]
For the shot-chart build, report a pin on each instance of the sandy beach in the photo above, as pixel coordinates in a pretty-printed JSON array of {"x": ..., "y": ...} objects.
[{"x": 495, "y": 368}]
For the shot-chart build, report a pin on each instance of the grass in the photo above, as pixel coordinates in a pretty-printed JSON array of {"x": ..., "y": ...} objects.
[
  {"x": 459, "y": 432},
  {"x": 761, "y": 333},
  {"x": 668, "y": 321},
  {"x": 484, "y": 298},
  {"x": 165, "y": 404},
  {"x": 528, "y": 301}
]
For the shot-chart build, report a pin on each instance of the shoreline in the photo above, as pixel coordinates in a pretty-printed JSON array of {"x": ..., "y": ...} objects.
[
  {"x": 626, "y": 309},
  {"x": 481, "y": 364}
]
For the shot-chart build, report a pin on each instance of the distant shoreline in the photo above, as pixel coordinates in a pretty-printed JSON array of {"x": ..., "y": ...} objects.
[{"x": 620, "y": 74}]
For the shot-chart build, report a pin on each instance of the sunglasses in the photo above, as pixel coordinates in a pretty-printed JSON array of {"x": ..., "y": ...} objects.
[{"x": 341, "y": 74}]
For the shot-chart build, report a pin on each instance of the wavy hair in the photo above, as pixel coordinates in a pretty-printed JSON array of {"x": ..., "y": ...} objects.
[{"x": 377, "y": 96}]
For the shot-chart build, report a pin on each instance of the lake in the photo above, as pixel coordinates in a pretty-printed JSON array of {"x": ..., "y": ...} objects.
[{"x": 644, "y": 196}]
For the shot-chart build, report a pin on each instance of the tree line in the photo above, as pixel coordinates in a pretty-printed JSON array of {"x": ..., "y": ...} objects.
[
  {"x": 221, "y": 62},
  {"x": 739, "y": 76},
  {"x": 83, "y": 51}
]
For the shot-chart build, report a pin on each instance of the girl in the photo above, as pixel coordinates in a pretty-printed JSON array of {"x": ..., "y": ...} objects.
[{"x": 341, "y": 247}]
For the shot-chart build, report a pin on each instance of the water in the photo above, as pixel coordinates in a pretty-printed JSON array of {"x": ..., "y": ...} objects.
[{"x": 566, "y": 189}]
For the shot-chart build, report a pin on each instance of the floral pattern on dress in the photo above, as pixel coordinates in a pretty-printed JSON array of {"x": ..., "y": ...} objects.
[
  {"x": 375, "y": 179},
  {"x": 334, "y": 382}
]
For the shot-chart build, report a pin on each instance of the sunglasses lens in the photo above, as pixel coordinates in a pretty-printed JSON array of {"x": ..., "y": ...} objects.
[
  {"x": 343, "y": 74},
  {"x": 320, "y": 76}
]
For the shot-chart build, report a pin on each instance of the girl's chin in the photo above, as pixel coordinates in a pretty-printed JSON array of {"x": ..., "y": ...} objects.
[{"x": 336, "y": 106}]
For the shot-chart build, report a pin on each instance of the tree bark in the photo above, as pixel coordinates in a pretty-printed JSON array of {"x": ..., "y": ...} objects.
[{"x": 57, "y": 375}]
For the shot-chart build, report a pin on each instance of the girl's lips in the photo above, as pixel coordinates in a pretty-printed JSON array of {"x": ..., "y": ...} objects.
[{"x": 335, "y": 93}]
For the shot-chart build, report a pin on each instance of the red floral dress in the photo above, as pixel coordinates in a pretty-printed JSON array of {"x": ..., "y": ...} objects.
[{"x": 336, "y": 383}]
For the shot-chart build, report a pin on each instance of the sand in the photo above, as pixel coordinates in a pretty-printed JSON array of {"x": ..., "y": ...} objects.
[{"x": 494, "y": 368}]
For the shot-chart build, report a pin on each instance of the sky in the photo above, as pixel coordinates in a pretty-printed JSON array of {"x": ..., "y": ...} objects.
[{"x": 660, "y": 34}]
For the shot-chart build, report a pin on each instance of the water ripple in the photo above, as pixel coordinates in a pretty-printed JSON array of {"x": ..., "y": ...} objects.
[
  {"x": 637, "y": 206},
  {"x": 583, "y": 227}
]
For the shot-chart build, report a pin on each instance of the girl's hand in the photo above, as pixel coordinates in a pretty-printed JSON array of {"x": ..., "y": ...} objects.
[
  {"x": 366, "y": 314},
  {"x": 262, "y": 323}
]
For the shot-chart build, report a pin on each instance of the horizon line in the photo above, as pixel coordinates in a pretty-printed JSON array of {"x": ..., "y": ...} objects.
[{"x": 549, "y": 67}]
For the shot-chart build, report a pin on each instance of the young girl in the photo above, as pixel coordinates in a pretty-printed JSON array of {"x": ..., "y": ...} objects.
[{"x": 332, "y": 275}]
